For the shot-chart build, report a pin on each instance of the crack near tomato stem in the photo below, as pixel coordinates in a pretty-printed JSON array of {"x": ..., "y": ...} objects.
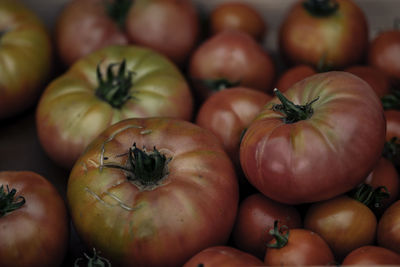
[{"x": 120, "y": 203}]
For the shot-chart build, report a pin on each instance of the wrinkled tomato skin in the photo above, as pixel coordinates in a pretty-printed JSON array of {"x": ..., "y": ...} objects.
[
  {"x": 36, "y": 234},
  {"x": 294, "y": 75},
  {"x": 228, "y": 112},
  {"x": 26, "y": 58},
  {"x": 193, "y": 207},
  {"x": 388, "y": 234},
  {"x": 279, "y": 159},
  {"x": 234, "y": 56},
  {"x": 392, "y": 124},
  {"x": 372, "y": 255},
  {"x": 256, "y": 217},
  {"x": 222, "y": 256},
  {"x": 344, "y": 223},
  {"x": 70, "y": 115},
  {"x": 303, "y": 248},
  {"x": 341, "y": 38}
]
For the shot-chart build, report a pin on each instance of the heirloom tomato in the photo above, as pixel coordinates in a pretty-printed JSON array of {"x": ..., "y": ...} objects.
[
  {"x": 33, "y": 221},
  {"x": 318, "y": 142},
  {"x": 336, "y": 30},
  {"x": 109, "y": 85},
  {"x": 372, "y": 255},
  {"x": 170, "y": 27},
  {"x": 153, "y": 192},
  {"x": 25, "y": 57},
  {"x": 222, "y": 256},
  {"x": 388, "y": 234}
]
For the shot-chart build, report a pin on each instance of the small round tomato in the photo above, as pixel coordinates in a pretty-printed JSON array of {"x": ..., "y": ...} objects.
[
  {"x": 336, "y": 30},
  {"x": 294, "y": 75},
  {"x": 227, "y": 114},
  {"x": 388, "y": 234},
  {"x": 230, "y": 58},
  {"x": 238, "y": 16},
  {"x": 33, "y": 221},
  {"x": 256, "y": 217},
  {"x": 297, "y": 247},
  {"x": 222, "y": 256},
  {"x": 371, "y": 255}
]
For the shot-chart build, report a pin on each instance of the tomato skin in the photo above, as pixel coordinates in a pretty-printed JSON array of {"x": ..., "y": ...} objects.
[
  {"x": 392, "y": 124},
  {"x": 234, "y": 56},
  {"x": 293, "y": 75},
  {"x": 279, "y": 159},
  {"x": 303, "y": 248},
  {"x": 384, "y": 53},
  {"x": 70, "y": 115},
  {"x": 372, "y": 255},
  {"x": 256, "y": 216},
  {"x": 192, "y": 208},
  {"x": 222, "y": 256},
  {"x": 388, "y": 233},
  {"x": 25, "y": 58},
  {"x": 228, "y": 112},
  {"x": 238, "y": 16},
  {"x": 343, "y": 222},
  {"x": 36, "y": 234},
  {"x": 341, "y": 38}
]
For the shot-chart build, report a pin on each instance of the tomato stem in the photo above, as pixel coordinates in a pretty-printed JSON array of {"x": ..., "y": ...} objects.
[
  {"x": 321, "y": 8},
  {"x": 277, "y": 233},
  {"x": 117, "y": 10},
  {"x": 8, "y": 201},
  {"x": 114, "y": 89},
  {"x": 293, "y": 112},
  {"x": 391, "y": 151},
  {"x": 95, "y": 261},
  {"x": 369, "y": 196},
  {"x": 391, "y": 101}
]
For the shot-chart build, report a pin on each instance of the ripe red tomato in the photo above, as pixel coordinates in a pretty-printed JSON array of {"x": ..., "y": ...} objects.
[
  {"x": 238, "y": 16},
  {"x": 25, "y": 58},
  {"x": 384, "y": 53},
  {"x": 294, "y": 75},
  {"x": 307, "y": 158},
  {"x": 33, "y": 221},
  {"x": 222, "y": 256},
  {"x": 170, "y": 27},
  {"x": 343, "y": 222},
  {"x": 227, "y": 113},
  {"x": 131, "y": 81},
  {"x": 154, "y": 192},
  {"x": 372, "y": 255},
  {"x": 297, "y": 247},
  {"x": 256, "y": 217},
  {"x": 388, "y": 233},
  {"x": 336, "y": 30},
  {"x": 230, "y": 58}
]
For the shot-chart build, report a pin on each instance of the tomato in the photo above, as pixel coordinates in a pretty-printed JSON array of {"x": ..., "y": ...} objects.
[
  {"x": 238, "y": 16},
  {"x": 372, "y": 255},
  {"x": 336, "y": 30},
  {"x": 392, "y": 124},
  {"x": 228, "y": 112},
  {"x": 294, "y": 75},
  {"x": 25, "y": 58},
  {"x": 343, "y": 222},
  {"x": 154, "y": 192},
  {"x": 169, "y": 27},
  {"x": 81, "y": 103},
  {"x": 230, "y": 58},
  {"x": 33, "y": 221},
  {"x": 320, "y": 152},
  {"x": 297, "y": 247},
  {"x": 256, "y": 217},
  {"x": 222, "y": 256},
  {"x": 384, "y": 53},
  {"x": 373, "y": 76},
  {"x": 388, "y": 233}
]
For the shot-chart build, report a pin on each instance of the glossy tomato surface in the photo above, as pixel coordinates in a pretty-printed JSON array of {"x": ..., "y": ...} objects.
[
  {"x": 339, "y": 35},
  {"x": 372, "y": 255},
  {"x": 388, "y": 234},
  {"x": 71, "y": 113},
  {"x": 324, "y": 155},
  {"x": 222, "y": 256},
  {"x": 36, "y": 233},
  {"x": 130, "y": 218},
  {"x": 25, "y": 58}
]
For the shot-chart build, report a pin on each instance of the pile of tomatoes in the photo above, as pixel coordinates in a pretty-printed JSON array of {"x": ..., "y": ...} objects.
[{"x": 187, "y": 143}]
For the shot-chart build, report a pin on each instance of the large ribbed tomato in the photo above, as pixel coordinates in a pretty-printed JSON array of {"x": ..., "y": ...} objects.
[
  {"x": 131, "y": 81},
  {"x": 324, "y": 140},
  {"x": 153, "y": 192}
]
